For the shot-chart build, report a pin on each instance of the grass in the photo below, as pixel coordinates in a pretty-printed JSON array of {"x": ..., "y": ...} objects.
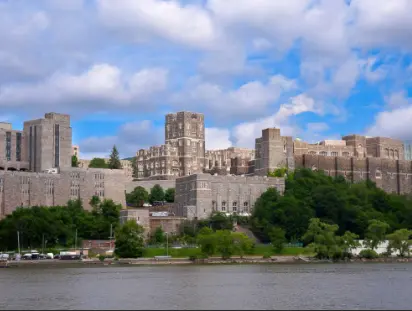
[{"x": 259, "y": 250}]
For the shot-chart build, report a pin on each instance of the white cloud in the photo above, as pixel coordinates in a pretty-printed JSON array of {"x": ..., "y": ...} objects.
[
  {"x": 317, "y": 127},
  {"x": 217, "y": 138},
  {"x": 141, "y": 20},
  {"x": 247, "y": 101},
  {"x": 395, "y": 122},
  {"x": 129, "y": 138},
  {"x": 245, "y": 133},
  {"x": 103, "y": 86}
]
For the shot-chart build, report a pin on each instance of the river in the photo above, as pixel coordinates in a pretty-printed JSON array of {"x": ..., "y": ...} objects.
[{"x": 304, "y": 286}]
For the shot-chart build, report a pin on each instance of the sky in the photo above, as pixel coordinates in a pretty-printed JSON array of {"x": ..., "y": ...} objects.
[{"x": 317, "y": 69}]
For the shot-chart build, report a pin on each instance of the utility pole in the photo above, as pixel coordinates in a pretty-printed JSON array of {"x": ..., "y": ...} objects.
[
  {"x": 18, "y": 240},
  {"x": 75, "y": 241}
]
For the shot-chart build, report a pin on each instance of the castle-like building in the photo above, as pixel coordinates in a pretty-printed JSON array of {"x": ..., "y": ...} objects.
[{"x": 35, "y": 168}]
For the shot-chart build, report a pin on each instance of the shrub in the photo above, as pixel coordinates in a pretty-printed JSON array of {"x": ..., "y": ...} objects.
[
  {"x": 368, "y": 254},
  {"x": 102, "y": 257},
  {"x": 266, "y": 256}
]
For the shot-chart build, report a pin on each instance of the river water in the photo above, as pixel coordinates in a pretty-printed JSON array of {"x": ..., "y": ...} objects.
[{"x": 320, "y": 286}]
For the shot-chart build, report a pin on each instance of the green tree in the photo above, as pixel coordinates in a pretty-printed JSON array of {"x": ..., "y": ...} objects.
[
  {"x": 114, "y": 160},
  {"x": 349, "y": 242},
  {"x": 219, "y": 221},
  {"x": 224, "y": 243},
  {"x": 137, "y": 197},
  {"x": 156, "y": 194},
  {"x": 129, "y": 240},
  {"x": 95, "y": 201},
  {"x": 98, "y": 163},
  {"x": 401, "y": 241},
  {"x": 376, "y": 233},
  {"x": 324, "y": 241},
  {"x": 277, "y": 238},
  {"x": 206, "y": 239},
  {"x": 75, "y": 161},
  {"x": 170, "y": 195},
  {"x": 158, "y": 236},
  {"x": 242, "y": 243},
  {"x": 279, "y": 172}
]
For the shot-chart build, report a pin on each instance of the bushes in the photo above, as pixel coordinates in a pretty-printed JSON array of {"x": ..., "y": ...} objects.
[{"x": 368, "y": 254}]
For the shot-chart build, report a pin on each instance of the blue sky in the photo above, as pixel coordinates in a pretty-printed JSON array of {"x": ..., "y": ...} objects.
[{"x": 316, "y": 69}]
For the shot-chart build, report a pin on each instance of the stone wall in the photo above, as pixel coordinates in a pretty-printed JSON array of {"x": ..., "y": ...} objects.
[
  {"x": 30, "y": 189},
  {"x": 197, "y": 196},
  {"x": 393, "y": 176}
]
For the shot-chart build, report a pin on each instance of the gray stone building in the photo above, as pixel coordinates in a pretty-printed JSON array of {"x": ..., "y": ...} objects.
[
  {"x": 198, "y": 196},
  {"x": 43, "y": 189},
  {"x": 12, "y": 151},
  {"x": 48, "y": 142}
]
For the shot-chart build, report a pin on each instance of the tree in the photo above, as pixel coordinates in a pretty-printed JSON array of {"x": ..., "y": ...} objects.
[
  {"x": 95, "y": 201},
  {"x": 224, "y": 243},
  {"x": 129, "y": 240},
  {"x": 206, "y": 239},
  {"x": 242, "y": 243},
  {"x": 280, "y": 172},
  {"x": 376, "y": 233},
  {"x": 400, "y": 241},
  {"x": 156, "y": 194},
  {"x": 114, "y": 160},
  {"x": 277, "y": 238},
  {"x": 324, "y": 241},
  {"x": 137, "y": 197},
  {"x": 158, "y": 236},
  {"x": 98, "y": 163},
  {"x": 219, "y": 221},
  {"x": 170, "y": 195},
  {"x": 349, "y": 242},
  {"x": 75, "y": 161}
]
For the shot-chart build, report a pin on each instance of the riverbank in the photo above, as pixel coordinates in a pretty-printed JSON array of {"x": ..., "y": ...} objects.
[{"x": 187, "y": 261}]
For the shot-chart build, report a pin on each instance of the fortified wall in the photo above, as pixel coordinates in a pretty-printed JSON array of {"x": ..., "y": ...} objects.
[
  {"x": 25, "y": 189},
  {"x": 393, "y": 176}
]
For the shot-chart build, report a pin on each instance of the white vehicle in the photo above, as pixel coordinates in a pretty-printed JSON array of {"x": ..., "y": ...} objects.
[
  {"x": 49, "y": 256},
  {"x": 4, "y": 256}
]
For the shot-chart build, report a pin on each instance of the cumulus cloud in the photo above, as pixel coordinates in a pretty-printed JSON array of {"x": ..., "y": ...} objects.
[
  {"x": 129, "y": 138},
  {"x": 394, "y": 122},
  {"x": 245, "y": 133},
  {"x": 217, "y": 138},
  {"x": 102, "y": 86},
  {"x": 249, "y": 100}
]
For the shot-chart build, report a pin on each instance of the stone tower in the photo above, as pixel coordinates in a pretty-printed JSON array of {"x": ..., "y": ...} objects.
[
  {"x": 186, "y": 131},
  {"x": 48, "y": 142},
  {"x": 273, "y": 151}
]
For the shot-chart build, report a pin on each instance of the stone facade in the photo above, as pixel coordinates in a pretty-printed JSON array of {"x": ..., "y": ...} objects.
[
  {"x": 127, "y": 166},
  {"x": 197, "y": 196},
  {"x": 223, "y": 159},
  {"x": 183, "y": 152},
  {"x": 42, "y": 189},
  {"x": 48, "y": 142},
  {"x": 76, "y": 151},
  {"x": 408, "y": 150},
  {"x": 356, "y": 157},
  {"x": 12, "y": 151}
]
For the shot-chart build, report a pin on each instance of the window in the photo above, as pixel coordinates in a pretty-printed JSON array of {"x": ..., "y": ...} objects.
[
  {"x": 323, "y": 153},
  {"x": 224, "y": 206},
  {"x": 312, "y": 152},
  {"x": 387, "y": 152},
  {"x": 8, "y": 146},
  {"x": 213, "y": 205},
  {"x": 56, "y": 145},
  {"x": 234, "y": 206},
  {"x": 396, "y": 154},
  {"x": 334, "y": 154}
]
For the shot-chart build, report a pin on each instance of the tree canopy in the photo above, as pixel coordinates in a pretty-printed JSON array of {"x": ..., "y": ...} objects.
[
  {"x": 129, "y": 240},
  {"x": 170, "y": 195},
  {"x": 312, "y": 194},
  {"x": 75, "y": 161},
  {"x": 156, "y": 194},
  {"x": 98, "y": 163},
  {"x": 114, "y": 160},
  {"x": 58, "y": 224},
  {"x": 137, "y": 197}
]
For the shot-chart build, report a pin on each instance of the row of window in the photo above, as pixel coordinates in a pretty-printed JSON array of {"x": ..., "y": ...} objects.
[
  {"x": 333, "y": 153},
  {"x": 8, "y": 146},
  {"x": 234, "y": 205}
]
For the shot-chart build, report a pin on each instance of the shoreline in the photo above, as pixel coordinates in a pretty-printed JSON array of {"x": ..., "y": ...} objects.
[{"x": 186, "y": 261}]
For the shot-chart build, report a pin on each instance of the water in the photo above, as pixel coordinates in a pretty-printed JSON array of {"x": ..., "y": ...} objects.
[{"x": 330, "y": 286}]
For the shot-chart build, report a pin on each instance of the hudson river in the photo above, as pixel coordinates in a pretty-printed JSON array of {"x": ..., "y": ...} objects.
[{"x": 330, "y": 286}]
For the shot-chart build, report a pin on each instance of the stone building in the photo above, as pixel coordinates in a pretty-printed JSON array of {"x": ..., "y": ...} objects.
[
  {"x": 183, "y": 152},
  {"x": 12, "y": 151},
  {"x": 76, "y": 151},
  {"x": 197, "y": 196},
  {"x": 44, "y": 189},
  {"x": 48, "y": 142},
  {"x": 356, "y": 157},
  {"x": 127, "y": 166},
  {"x": 228, "y": 161},
  {"x": 408, "y": 150}
]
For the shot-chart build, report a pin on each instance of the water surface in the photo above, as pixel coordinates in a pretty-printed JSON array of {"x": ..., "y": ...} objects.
[{"x": 329, "y": 286}]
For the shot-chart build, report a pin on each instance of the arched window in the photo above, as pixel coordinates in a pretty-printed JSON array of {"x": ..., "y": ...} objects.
[{"x": 378, "y": 174}]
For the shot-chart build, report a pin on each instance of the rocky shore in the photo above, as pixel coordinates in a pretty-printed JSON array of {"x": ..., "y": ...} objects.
[{"x": 186, "y": 261}]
